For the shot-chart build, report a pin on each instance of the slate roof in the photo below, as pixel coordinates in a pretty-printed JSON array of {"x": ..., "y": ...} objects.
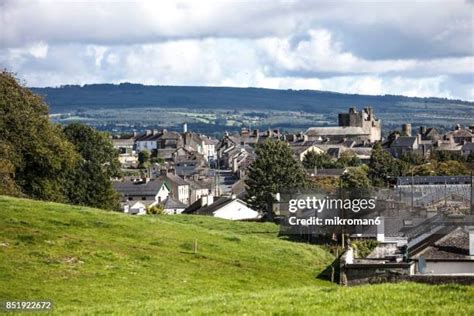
[
  {"x": 335, "y": 130},
  {"x": 171, "y": 203},
  {"x": 425, "y": 180},
  {"x": 174, "y": 179},
  {"x": 128, "y": 188},
  {"x": 220, "y": 202},
  {"x": 454, "y": 245},
  {"x": 150, "y": 137},
  {"x": 404, "y": 141},
  {"x": 468, "y": 147},
  {"x": 462, "y": 132}
]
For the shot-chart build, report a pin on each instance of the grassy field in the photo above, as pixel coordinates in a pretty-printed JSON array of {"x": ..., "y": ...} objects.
[{"x": 89, "y": 261}]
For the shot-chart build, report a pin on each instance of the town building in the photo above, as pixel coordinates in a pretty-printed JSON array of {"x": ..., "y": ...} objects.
[{"x": 356, "y": 125}]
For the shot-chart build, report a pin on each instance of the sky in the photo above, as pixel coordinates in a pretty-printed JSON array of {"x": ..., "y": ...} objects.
[{"x": 413, "y": 48}]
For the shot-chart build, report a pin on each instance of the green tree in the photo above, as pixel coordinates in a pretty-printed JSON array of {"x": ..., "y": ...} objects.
[
  {"x": 470, "y": 157},
  {"x": 383, "y": 166},
  {"x": 144, "y": 159},
  {"x": 314, "y": 160},
  {"x": 155, "y": 210},
  {"x": 356, "y": 178},
  {"x": 451, "y": 168},
  {"x": 35, "y": 155},
  {"x": 414, "y": 158},
  {"x": 274, "y": 171},
  {"x": 89, "y": 183},
  {"x": 348, "y": 159}
]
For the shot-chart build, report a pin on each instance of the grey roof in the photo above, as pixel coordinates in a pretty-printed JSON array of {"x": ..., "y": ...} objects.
[
  {"x": 422, "y": 180},
  {"x": 404, "y": 141},
  {"x": 128, "y": 188},
  {"x": 147, "y": 137},
  {"x": 335, "y": 130},
  {"x": 196, "y": 185},
  {"x": 468, "y": 147},
  {"x": 173, "y": 179},
  {"x": 218, "y": 203},
  {"x": 462, "y": 132},
  {"x": 171, "y": 203},
  {"x": 454, "y": 245}
]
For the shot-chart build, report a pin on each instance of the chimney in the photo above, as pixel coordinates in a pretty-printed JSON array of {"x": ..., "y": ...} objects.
[
  {"x": 210, "y": 199},
  {"x": 155, "y": 132},
  {"x": 204, "y": 200},
  {"x": 207, "y": 200},
  {"x": 471, "y": 240},
  {"x": 185, "y": 128},
  {"x": 406, "y": 129},
  {"x": 148, "y": 132}
]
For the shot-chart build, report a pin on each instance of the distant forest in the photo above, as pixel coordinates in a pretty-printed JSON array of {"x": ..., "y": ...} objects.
[{"x": 126, "y": 95}]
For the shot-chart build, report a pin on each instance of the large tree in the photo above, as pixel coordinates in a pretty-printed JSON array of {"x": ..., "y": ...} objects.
[
  {"x": 383, "y": 166},
  {"x": 89, "y": 183},
  {"x": 318, "y": 160},
  {"x": 34, "y": 154},
  {"x": 274, "y": 171}
]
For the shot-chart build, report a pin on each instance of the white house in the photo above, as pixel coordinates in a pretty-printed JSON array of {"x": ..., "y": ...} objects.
[
  {"x": 229, "y": 208},
  {"x": 173, "y": 206},
  {"x": 148, "y": 193},
  {"x": 137, "y": 208}
]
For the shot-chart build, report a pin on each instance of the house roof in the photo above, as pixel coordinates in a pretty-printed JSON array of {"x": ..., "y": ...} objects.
[
  {"x": 454, "y": 245},
  {"x": 171, "y": 203},
  {"x": 425, "y": 180},
  {"x": 468, "y": 147},
  {"x": 174, "y": 179},
  {"x": 335, "y": 131},
  {"x": 218, "y": 203},
  {"x": 462, "y": 132},
  {"x": 404, "y": 141},
  {"x": 139, "y": 188}
]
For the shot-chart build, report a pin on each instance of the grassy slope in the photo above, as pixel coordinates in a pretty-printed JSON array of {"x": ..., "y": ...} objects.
[{"x": 92, "y": 261}]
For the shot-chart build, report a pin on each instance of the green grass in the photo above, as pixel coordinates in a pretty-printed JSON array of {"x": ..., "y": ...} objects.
[{"x": 93, "y": 262}]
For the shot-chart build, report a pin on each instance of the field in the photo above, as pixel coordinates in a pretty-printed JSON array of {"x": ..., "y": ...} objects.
[{"x": 90, "y": 261}]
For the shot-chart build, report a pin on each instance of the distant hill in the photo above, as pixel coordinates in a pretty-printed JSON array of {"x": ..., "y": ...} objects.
[
  {"x": 73, "y": 97},
  {"x": 94, "y": 262}
]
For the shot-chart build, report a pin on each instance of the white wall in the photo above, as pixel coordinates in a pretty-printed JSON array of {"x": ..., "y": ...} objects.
[
  {"x": 146, "y": 145},
  {"x": 451, "y": 267},
  {"x": 236, "y": 210},
  {"x": 162, "y": 194}
]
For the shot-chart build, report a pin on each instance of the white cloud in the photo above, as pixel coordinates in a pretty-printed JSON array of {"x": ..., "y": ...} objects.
[{"x": 422, "y": 49}]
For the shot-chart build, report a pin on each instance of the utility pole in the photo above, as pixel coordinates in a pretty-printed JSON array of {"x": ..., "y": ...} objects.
[
  {"x": 472, "y": 196},
  {"x": 412, "y": 187},
  {"x": 343, "y": 242}
]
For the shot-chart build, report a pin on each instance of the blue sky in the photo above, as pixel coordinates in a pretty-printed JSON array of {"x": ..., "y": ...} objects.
[{"x": 414, "y": 48}]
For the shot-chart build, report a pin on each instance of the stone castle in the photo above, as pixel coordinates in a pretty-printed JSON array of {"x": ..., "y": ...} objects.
[{"x": 353, "y": 125}]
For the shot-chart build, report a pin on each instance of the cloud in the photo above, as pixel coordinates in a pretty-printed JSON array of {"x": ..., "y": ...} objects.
[{"x": 384, "y": 47}]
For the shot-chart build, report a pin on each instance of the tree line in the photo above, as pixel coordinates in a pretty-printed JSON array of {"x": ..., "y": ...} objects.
[{"x": 42, "y": 160}]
